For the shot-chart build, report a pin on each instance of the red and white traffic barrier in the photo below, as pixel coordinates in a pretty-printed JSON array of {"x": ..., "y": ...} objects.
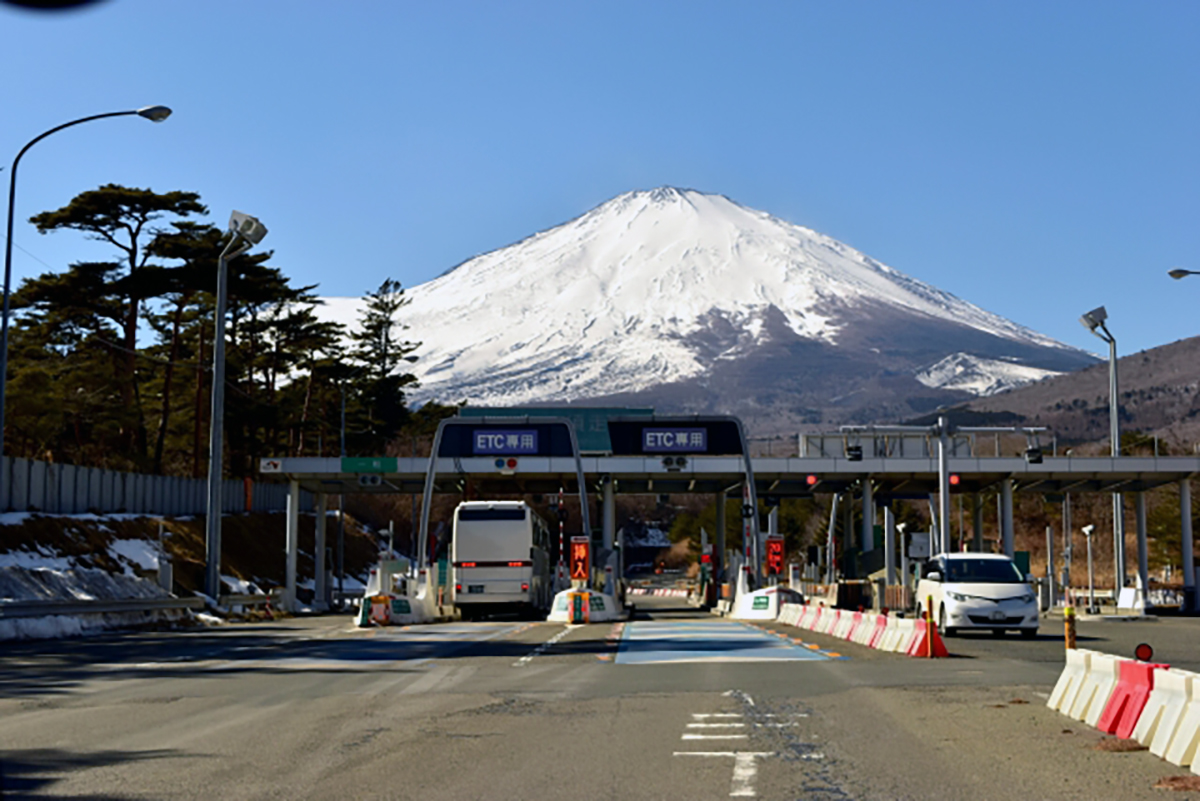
[
  {"x": 1153, "y": 703},
  {"x": 880, "y": 631}
]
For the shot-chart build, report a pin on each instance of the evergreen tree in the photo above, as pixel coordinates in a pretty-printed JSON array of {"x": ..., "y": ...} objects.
[{"x": 380, "y": 351}]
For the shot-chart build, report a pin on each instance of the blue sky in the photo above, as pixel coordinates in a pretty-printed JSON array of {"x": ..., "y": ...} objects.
[{"x": 1037, "y": 159}]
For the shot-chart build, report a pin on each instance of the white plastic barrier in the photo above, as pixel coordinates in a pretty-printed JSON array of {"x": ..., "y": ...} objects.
[
  {"x": 1186, "y": 740},
  {"x": 810, "y": 621},
  {"x": 844, "y": 624},
  {"x": 897, "y": 635},
  {"x": 890, "y": 635},
  {"x": 829, "y": 619},
  {"x": 866, "y": 629},
  {"x": 1164, "y": 709},
  {"x": 790, "y": 614},
  {"x": 1079, "y": 660},
  {"x": 1097, "y": 688}
]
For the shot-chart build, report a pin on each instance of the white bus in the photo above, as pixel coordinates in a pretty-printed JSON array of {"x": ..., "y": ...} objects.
[{"x": 501, "y": 559}]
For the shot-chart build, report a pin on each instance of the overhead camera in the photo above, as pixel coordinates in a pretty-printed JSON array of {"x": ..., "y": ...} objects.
[
  {"x": 370, "y": 481},
  {"x": 674, "y": 463},
  {"x": 1088, "y": 529}
]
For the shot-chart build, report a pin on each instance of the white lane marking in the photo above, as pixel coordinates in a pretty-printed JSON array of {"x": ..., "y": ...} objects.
[
  {"x": 716, "y": 725},
  {"x": 1042, "y": 695},
  {"x": 715, "y": 737},
  {"x": 745, "y": 769},
  {"x": 700, "y": 716},
  {"x": 525, "y": 660}
]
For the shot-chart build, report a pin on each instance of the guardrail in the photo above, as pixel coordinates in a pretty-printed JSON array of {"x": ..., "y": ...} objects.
[
  {"x": 250, "y": 599},
  {"x": 10, "y": 610}
]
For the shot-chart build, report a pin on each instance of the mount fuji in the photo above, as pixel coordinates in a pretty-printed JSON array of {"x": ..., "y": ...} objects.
[{"x": 690, "y": 302}]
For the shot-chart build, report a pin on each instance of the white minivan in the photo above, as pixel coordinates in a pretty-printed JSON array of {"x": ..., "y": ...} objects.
[{"x": 978, "y": 591}]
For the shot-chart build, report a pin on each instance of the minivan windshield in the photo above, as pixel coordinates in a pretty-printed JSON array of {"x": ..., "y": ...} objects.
[{"x": 991, "y": 571}]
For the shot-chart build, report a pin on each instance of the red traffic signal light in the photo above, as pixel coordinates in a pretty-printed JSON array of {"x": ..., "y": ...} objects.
[
  {"x": 811, "y": 480},
  {"x": 954, "y": 479}
]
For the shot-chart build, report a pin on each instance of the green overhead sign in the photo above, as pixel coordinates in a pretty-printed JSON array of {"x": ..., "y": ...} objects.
[
  {"x": 591, "y": 423},
  {"x": 368, "y": 464}
]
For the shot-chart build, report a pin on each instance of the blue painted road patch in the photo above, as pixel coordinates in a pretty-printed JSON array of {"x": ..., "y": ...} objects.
[{"x": 658, "y": 642}]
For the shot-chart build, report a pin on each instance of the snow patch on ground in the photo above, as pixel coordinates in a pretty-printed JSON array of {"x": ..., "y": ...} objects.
[
  {"x": 239, "y": 586},
  {"x": 43, "y": 558},
  {"x": 979, "y": 376},
  {"x": 142, "y": 553}
]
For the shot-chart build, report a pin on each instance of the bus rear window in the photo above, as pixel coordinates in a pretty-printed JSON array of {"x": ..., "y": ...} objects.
[{"x": 491, "y": 514}]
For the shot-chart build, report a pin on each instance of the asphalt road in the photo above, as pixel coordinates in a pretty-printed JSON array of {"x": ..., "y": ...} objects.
[{"x": 676, "y": 704}]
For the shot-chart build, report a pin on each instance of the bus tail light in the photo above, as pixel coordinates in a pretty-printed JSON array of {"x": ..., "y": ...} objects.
[
  {"x": 458, "y": 588},
  {"x": 516, "y": 564},
  {"x": 524, "y": 586}
]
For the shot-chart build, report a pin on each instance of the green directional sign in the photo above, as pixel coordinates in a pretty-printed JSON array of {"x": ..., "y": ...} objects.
[
  {"x": 762, "y": 602},
  {"x": 368, "y": 464}
]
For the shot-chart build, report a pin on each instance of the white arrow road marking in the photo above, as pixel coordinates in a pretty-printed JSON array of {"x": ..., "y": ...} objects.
[
  {"x": 745, "y": 769},
  {"x": 716, "y": 725},
  {"x": 699, "y": 716}
]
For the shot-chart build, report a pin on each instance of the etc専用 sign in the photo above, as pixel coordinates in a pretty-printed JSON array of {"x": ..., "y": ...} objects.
[
  {"x": 497, "y": 442},
  {"x": 674, "y": 440}
]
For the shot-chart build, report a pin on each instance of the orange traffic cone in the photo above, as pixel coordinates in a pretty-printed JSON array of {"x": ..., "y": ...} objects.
[{"x": 931, "y": 641}]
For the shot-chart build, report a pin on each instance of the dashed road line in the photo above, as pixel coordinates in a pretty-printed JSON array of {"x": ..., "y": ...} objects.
[
  {"x": 541, "y": 649},
  {"x": 715, "y": 737}
]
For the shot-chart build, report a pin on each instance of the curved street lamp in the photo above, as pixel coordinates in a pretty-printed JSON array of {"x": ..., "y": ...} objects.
[
  {"x": 152, "y": 113},
  {"x": 1178, "y": 273},
  {"x": 1094, "y": 322},
  {"x": 244, "y": 233}
]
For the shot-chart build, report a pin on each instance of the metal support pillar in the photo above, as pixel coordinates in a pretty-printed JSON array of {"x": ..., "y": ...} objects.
[
  {"x": 1068, "y": 548},
  {"x": 321, "y": 594},
  {"x": 1051, "y": 594},
  {"x": 848, "y": 565},
  {"x": 831, "y": 549},
  {"x": 293, "y": 542},
  {"x": 889, "y": 545},
  {"x": 1119, "y": 539},
  {"x": 943, "y": 485},
  {"x": 608, "y": 524},
  {"x": 868, "y": 516},
  {"x": 1143, "y": 550},
  {"x": 977, "y": 523},
  {"x": 1189, "y": 559},
  {"x": 1006, "y": 516},
  {"x": 719, "y": 545}
]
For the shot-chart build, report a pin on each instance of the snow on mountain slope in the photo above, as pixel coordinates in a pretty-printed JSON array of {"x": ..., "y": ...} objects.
[
  {"x": 980, "y": 376},
  {"x": 612, "y": 301}
]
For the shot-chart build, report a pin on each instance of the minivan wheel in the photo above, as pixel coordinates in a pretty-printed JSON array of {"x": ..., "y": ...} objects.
[{"x": 946, "y": 631}]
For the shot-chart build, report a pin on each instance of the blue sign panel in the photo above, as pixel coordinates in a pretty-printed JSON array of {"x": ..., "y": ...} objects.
[
  {"x": 504, "y": 442},
  {"x": 675, "y": 440}
]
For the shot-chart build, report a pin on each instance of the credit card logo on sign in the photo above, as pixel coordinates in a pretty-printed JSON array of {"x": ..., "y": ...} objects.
[
  {"x": 674, "y": 440},
  {"x": 494, "y": 442}
]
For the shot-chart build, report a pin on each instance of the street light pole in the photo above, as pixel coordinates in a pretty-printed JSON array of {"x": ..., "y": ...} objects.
[
  {"x": 246, "y": 232},
  {"x": 152, "y": 113},
  {"x": 1094, "y": 322}
]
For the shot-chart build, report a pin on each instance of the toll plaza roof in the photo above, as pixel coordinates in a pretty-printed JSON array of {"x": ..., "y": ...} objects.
[{"x": 776, "y": 476}]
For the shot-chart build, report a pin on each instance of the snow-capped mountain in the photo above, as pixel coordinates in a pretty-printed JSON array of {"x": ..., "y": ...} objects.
[{"x": 693, "y": 302}]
